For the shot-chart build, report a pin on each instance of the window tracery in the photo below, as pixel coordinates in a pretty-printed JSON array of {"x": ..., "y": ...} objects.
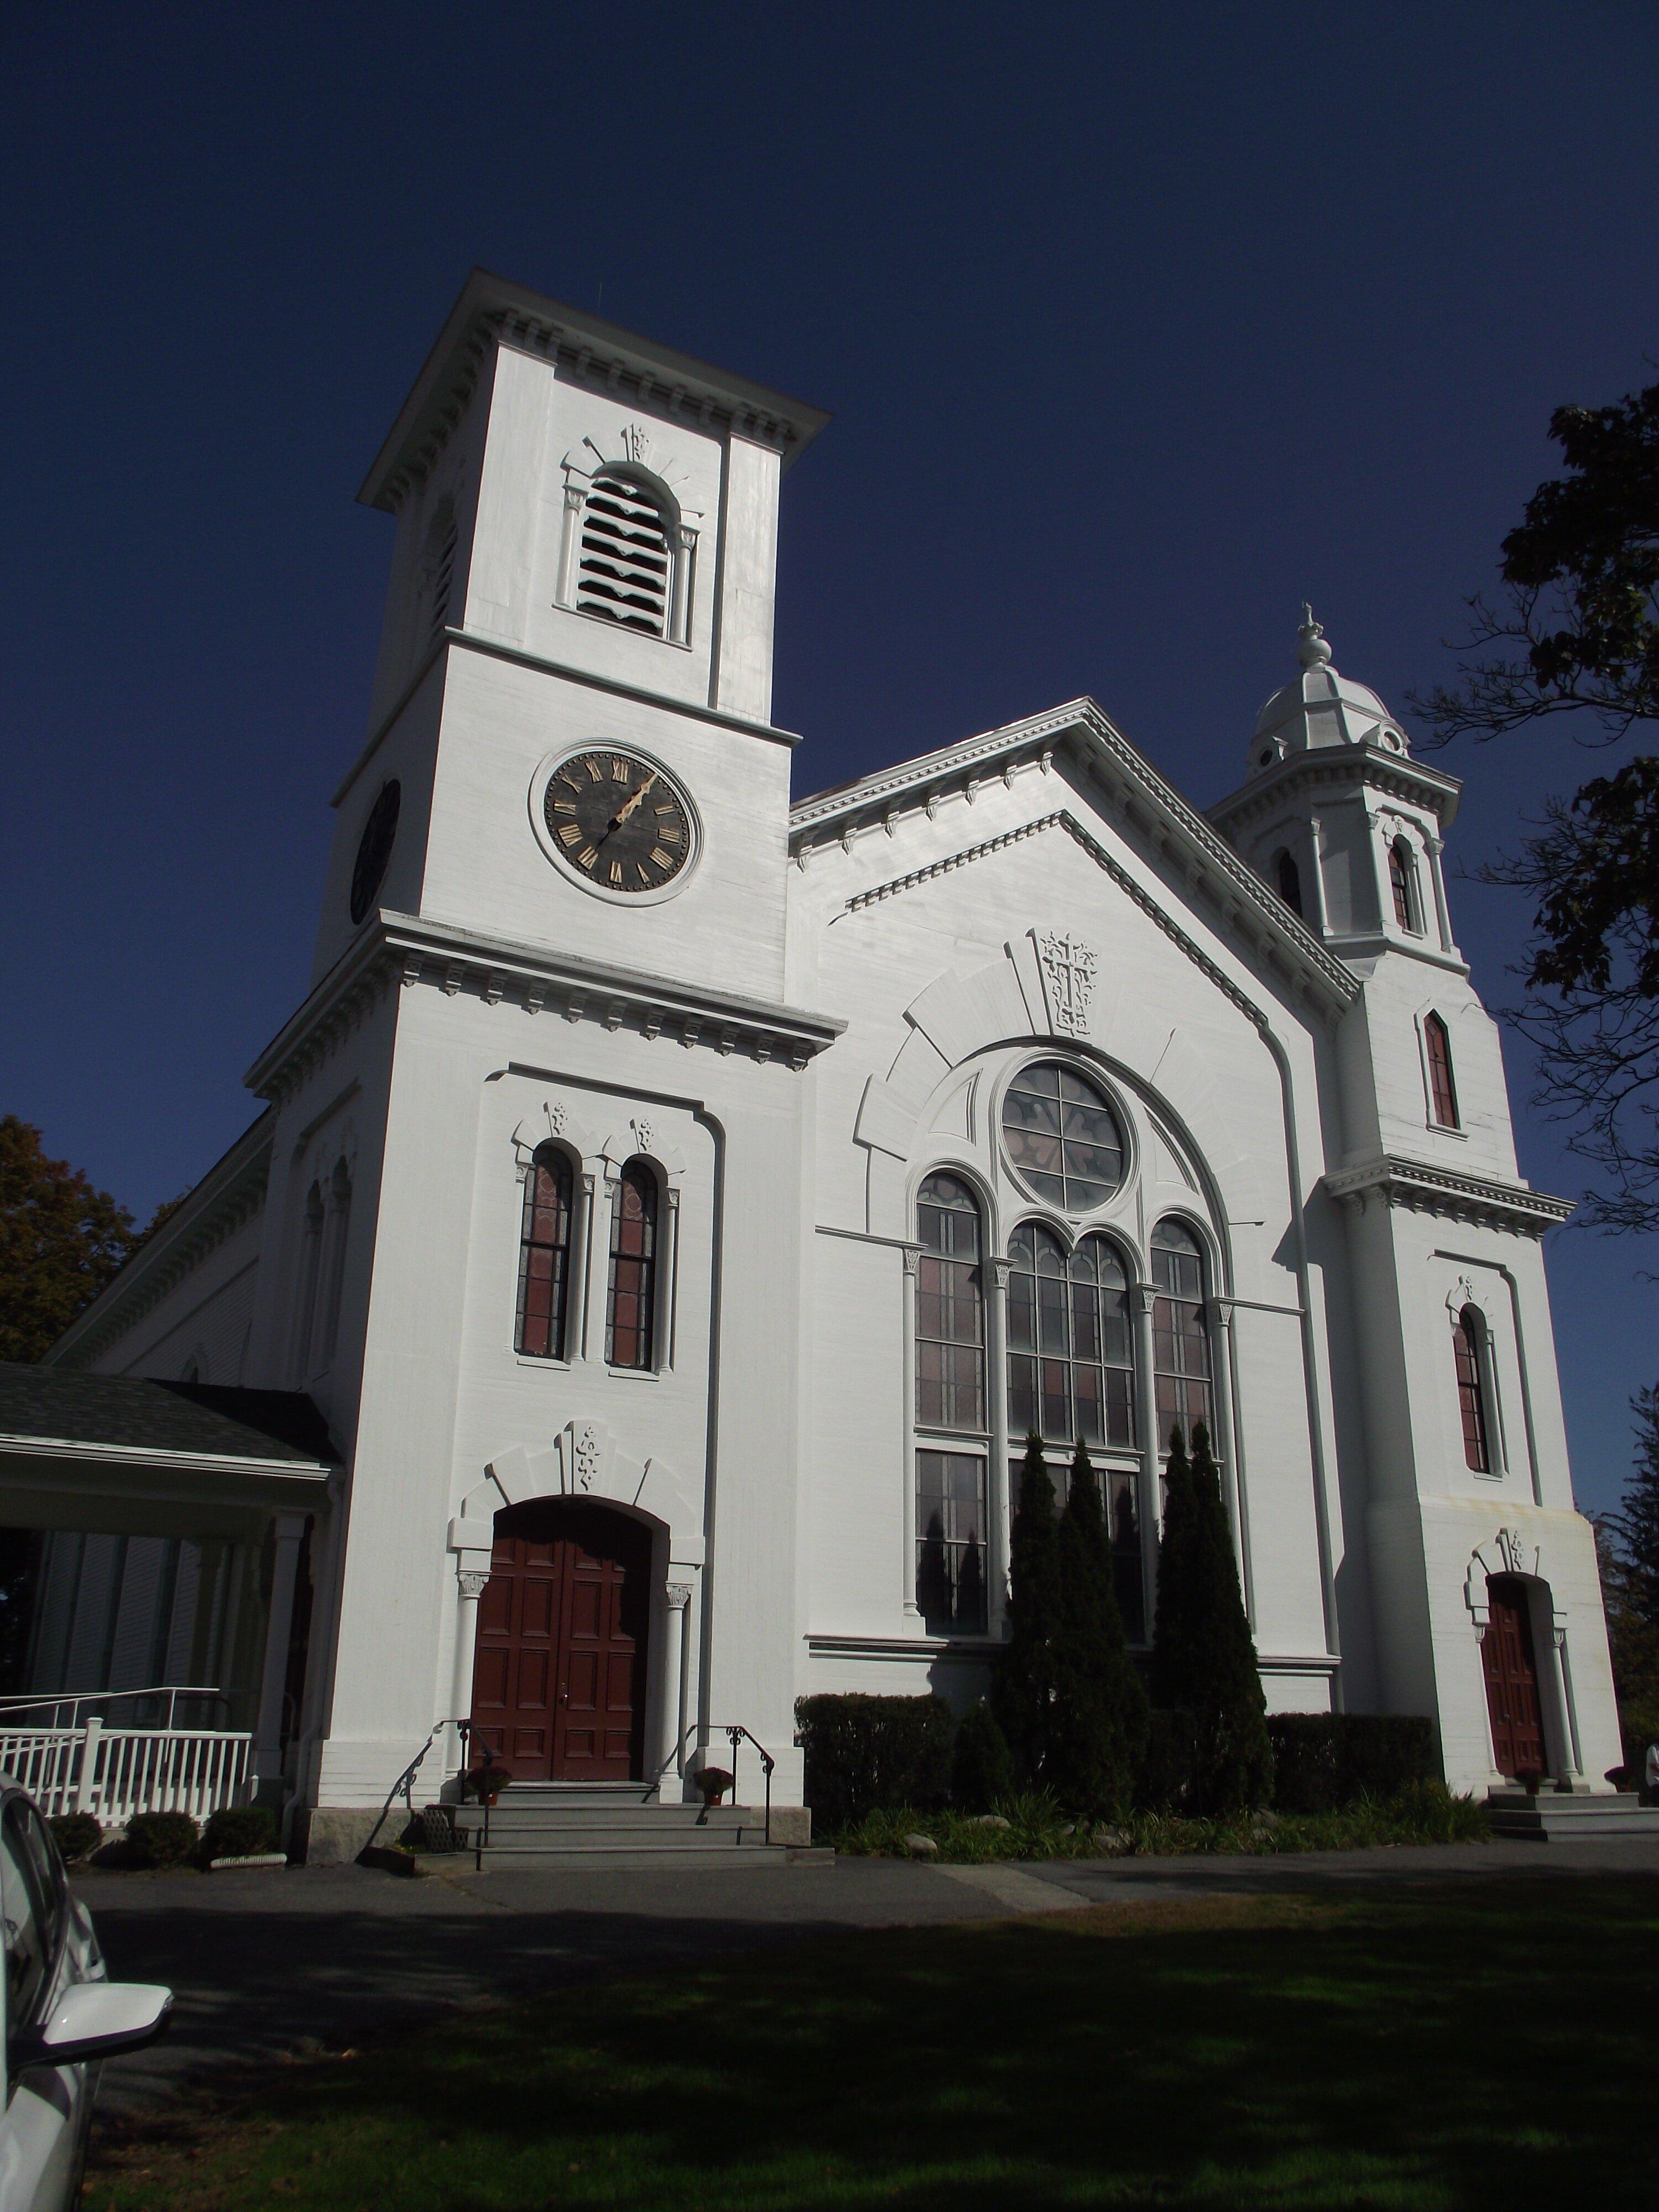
[{"x": 1062, "y": 1138}]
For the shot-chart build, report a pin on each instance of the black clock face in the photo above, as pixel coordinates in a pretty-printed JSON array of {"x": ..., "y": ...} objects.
[
  {"x": 618, "y": 821},
  {"x": 374, "y": 850}
]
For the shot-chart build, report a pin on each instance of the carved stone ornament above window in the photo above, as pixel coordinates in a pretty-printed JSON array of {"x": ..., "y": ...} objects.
[{"x": 1069, "y": 967}]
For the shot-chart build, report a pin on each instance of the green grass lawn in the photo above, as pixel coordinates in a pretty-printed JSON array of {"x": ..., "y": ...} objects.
[{"x": 1441, "y": 2047}]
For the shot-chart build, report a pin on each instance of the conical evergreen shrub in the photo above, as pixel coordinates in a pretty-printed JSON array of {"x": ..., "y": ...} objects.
[
  {"x": 1099, "y": 1729},
  {"x": 1203, "y": 1656},
  {"x": 982, "y": 1773},
  {"x": 1023, "y": 1686}
]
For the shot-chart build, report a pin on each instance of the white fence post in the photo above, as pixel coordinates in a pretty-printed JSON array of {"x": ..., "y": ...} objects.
[{"x": 89, "y": 1765}]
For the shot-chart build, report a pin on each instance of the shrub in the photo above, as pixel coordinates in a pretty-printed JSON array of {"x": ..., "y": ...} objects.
[
  {"x": 983, "y": 1771},
  {"x": 864, "y": 1752},
  {"x": 238, "y": 1831},
  {"x": 78, "y": 1834},
  {"x": 1323, "y": 1761},
  {"x": 1023, "y": 1684},
  {"x": 1172, "y": 1755},
  {"x": 1098, "y": 1728},
  {"x": 160, "y": 1839}
]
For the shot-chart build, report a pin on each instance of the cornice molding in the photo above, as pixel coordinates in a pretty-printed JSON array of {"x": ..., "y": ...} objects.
[
  {"x": 133, "y": 1458},
  {"x": 1355, "y": 767},
  {"x": 408, "y": 950},
  {"x": 1152, "y": 811},
  {"x": 1391, "y": 1181},
  {"x": 230, "y": 1194},
  {"x": 491, "y": 310}
]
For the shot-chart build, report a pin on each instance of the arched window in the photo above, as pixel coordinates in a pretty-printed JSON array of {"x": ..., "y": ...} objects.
[
  {"x": 1181, "y": 1338},
  {"x": 1061, "y": 1137},
  {"x": 1071, "y": 1365},
  {"x": 544, "y": 1255},
  {"x": 1402, "y": 882},
  {"x": 950, "y": 1307},
  {"x": 630, "y": 1302},
  {"x": 311, "y": 1260},
  {"x": 626, "y": 563},
  {"x": 1443, "y": 1091},
  {"x": 1467, "y": 1332},
  {"x": 950, "y": 1485},
  {"x": 1289, "y": 877},
  {"x": 335, "y": 1236}
]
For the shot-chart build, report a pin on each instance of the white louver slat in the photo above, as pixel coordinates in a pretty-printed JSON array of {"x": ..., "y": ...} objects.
[
  {"x": 442, "y": 581},
  {"x": 625, "y": 560}
]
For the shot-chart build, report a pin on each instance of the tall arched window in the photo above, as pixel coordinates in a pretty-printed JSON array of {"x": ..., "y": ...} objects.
[
  {"x": 331, "y": 1288},
  {"x": 630, "y": 1304},
  {"x": 311, "y": 1262},
  {"x": 544, "y": 1255},
  {"x": 1289, "y": 881},
  {"x": 1467, "y": 1332},
  {"x": 951, "y": 1399},
  {"x": 1443, "y": 1091},
  {"x": 1071, "y": 1365},
  {"x": 1181, "y": 1337},
  {"x": 1402, "y": 882},
  {"x": 950, "y": 1307},
  {"x": 625, "y": 567}
]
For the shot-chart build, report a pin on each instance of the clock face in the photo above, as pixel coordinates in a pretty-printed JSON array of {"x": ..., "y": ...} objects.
[{"x": 618, "y": 820}]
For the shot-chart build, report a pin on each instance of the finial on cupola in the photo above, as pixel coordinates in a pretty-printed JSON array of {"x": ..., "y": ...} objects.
[{"x": 1312, "y": 651}]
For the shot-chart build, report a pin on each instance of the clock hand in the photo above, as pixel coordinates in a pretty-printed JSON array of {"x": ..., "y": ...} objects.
[{"x": 629, "y": 804}]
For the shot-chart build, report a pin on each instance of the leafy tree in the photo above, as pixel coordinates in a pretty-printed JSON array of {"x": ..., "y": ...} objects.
[
  {"x": 1099, "y": 1725},
  {"x": 1203, "y": 1656},
  {"x": 1627, "y": 1552},
  {"x": 1577, "y": 634},
  {"x": 60, "y": 1240},
  {"x": 1638, "y": 1520},
  {"x": 1023, "y": 1688}
]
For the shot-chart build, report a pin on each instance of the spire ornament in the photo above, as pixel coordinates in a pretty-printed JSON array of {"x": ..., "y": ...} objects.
[{"x": 1312, "y": 650}]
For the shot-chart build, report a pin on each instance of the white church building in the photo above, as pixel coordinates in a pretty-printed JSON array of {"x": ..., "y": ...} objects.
[{"x": 679, "y": 1203}]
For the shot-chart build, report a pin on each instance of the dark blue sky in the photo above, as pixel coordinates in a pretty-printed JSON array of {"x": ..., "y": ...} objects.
[{"x": 1138, "y": 324}]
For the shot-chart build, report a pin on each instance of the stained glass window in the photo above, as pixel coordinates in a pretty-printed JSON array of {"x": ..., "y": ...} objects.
[
  {"x": 1180, "y": 1336},
  {"x": 544, "y": 1255},
  {"x": 1062, "y": 1138},
  {"x": 631, "y": 1296}
]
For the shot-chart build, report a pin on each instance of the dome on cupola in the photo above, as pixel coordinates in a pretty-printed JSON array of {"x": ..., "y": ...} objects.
[{"x": 1320, "y": 709}]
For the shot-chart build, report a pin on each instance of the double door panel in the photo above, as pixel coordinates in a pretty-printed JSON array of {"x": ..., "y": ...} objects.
[
  {"x": 559, "y": 1671},
  {"x": 1512, "y": 1701}
]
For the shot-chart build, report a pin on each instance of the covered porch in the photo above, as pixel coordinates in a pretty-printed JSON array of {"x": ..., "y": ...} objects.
[{"x": 164, "y": 1540}]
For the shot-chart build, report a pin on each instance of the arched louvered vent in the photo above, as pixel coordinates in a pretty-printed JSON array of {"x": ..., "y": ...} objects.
[
  {"x": 625, "y": 559},
  {"x": 443, "y": 576}
]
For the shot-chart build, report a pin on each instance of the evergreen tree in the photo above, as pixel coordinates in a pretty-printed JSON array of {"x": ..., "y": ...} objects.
[
  {"x": 1204, "y": 1658},
  {"x": 934, "y": 1580},
  {"x": 1023, "y": 1688},
  {"x": 1099, "y": 1731},
  {"x": 982, "y": 1773}
]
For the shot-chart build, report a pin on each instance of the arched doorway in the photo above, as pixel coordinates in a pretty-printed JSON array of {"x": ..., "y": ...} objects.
[
  {"x": 559, "y": 1675},
  {"x": 1511, "y": 1671}
]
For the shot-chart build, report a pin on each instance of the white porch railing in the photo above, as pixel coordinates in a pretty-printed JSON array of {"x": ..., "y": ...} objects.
[{"x": 116, "y": 1772}]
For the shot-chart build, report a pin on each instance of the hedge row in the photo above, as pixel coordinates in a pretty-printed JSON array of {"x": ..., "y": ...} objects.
[{"x": 874, "y": 1754}]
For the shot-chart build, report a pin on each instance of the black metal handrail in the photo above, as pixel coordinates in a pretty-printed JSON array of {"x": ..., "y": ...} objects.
[
  {"x": 406, "y": 1781},
  {"x": 734, "y": 1736}
]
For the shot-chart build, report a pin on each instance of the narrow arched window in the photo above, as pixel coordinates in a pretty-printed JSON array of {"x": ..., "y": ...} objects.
[
  {"x": 1180, "y": 1336},
  {"x": 544, "y": 1255},
  {"x": 630, "y": 1304},
  {"x": 950, "y": 1307},
  {"x": 311, "y": 1262},
  {"x": 1402, "y": 882},
  {"x": 1443, "y": 1091},
  {"x": 1289, "y": 881},
  {"x": 1468, "y": 1331},
  {"x": 1071, "y": 1366},
  {"x": 336, "y": 1235},
  {"x": 625, "y": 565}
]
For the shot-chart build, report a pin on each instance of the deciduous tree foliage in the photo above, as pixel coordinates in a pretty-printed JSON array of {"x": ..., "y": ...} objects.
[
  {"x": 1577, "y": 634},
  {"x": 60, "y": 1240},
  {"x": 1203, "y": 1654},
  {"x": 1023, "y": 1686},
  {"x": 1098, "y": 1732}
]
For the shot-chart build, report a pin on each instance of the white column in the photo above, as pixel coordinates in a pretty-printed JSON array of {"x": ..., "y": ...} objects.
[
  {"x": 996, "y": 1472},
  {"x": 912, "y": 1265},
  {"x": 1141, "y": 1297},
  {"x": 1435, "y": 846},
  {"x": 279, "y": 1622},
  {"x": 1571, "y": 1771},
  {"x": 674, "y": 1682},
  {"x": 469, "y": 1582},
  {"x": 1221, "y": 1382}
]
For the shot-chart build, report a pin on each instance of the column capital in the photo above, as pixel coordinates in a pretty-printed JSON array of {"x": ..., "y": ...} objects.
[
  {"x": 471, "y": 1582},
  {"x": 679, "y": 1596}
]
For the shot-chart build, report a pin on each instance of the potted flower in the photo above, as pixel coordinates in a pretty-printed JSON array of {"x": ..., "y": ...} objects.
[
  {"x": 486, "y": 1782},
  {"x": 714, "y": 1782}
]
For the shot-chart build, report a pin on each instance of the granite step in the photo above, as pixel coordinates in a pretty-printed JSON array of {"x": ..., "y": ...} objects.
[{"x": 1554, "y": 1816}]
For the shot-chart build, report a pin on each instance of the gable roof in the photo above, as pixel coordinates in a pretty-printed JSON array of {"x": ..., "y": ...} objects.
[
  {"x": 206, "y": 1421},
  {"x": 1126, "y": 787}
]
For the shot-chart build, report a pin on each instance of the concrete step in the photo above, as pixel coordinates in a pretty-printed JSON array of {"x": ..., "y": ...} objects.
[
  {"x": 1555, "y": 1816},
  {"x": 507, "y": 1820},
  {"x": 637, "y": 1861},
  {"x": 579, "y": 1794},
  {"x": 595, "y": 1835}
]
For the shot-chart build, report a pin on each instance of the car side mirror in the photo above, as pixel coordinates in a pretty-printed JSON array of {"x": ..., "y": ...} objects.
[{"x": 93, "y": 2020}]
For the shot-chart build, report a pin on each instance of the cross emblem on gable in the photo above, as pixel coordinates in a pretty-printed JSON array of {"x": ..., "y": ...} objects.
[{"x": 1069, "y": 967}]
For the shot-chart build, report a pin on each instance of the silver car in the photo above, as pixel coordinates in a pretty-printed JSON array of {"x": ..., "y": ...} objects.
[{"x": 62, "y": 2015}]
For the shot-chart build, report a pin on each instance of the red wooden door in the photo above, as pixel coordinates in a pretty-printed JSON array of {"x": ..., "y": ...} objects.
[
  {"x": 1518, "y": 1721},
  {"x": 558, "y": 1682}
]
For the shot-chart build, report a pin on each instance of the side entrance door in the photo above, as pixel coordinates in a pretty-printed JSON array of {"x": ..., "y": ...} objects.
[
  {"x": 558, "y": 1683},
  {"x": 1506, "y": 1652}
]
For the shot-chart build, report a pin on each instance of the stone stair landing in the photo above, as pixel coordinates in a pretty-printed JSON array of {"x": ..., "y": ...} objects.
[
  {"x": 606, "y": 1826},
  {"x": 1554, "y": 1817}
]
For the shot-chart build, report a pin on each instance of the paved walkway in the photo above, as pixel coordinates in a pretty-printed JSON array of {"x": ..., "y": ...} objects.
[{"x": 265, "y": 1963}]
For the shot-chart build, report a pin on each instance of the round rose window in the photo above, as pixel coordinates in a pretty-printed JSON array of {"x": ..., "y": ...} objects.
[{"x": 1062, "y": 1138}]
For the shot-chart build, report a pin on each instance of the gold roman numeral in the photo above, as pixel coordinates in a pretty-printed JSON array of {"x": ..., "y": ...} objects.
[
  {"x": 616, "y": 871},
  {"x": 565, "y": 806},
  {"x": 661, "y": 859},
  {"x": 594, "y": 769},
  {"x": 619, "y": 771},
  {"x": 588, "y": 858},
  {"x": 569, "y": 833},
  {"x": 669, "y": 832},
  {"x": 642, "y": 874}
]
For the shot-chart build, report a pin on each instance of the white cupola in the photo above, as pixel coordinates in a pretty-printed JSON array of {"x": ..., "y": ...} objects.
[{"x": 1321, "y": 709}]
